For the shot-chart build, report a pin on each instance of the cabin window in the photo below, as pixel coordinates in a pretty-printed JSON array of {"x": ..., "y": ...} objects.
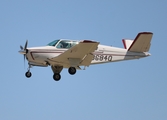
[{"x": 66, "y": 44}]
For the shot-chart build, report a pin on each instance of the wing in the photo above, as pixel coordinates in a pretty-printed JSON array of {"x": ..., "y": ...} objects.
[{"x": 80, "y": 54}]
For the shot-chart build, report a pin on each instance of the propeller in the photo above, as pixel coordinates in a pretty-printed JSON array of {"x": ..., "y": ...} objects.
[
  {"x": 24, "y": 50},
  {"x": 21, "y": 47}
]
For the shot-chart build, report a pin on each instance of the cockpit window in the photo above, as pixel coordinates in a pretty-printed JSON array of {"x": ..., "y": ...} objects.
[
  {"x": 53, "y": 43},
  {"x": 63, "y": 43},
  {"x": 66, "y": 44}
]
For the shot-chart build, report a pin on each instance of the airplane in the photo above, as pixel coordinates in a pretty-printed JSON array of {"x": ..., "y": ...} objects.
[{"x": 78, "y": 54}]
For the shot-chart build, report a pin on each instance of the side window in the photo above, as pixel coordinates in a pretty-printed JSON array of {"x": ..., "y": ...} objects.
[
  {"x": 60, "y": 45},
  {"x": 64, "y": 44},
  {"x": 68, "y": 44}
]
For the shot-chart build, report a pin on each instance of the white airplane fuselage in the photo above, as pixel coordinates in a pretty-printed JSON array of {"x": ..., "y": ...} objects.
[{"x": 38, "y": 56}]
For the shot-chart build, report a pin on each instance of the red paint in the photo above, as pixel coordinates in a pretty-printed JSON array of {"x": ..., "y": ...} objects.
[
  {"x": 124, "y": 43},
  {"x": 88, "y": 41},
  {"x": 31, "y": 55},
  {"x": 45, "y": 52}
]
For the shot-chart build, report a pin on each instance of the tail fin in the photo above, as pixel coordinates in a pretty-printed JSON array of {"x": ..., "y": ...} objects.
[
  {"x": 127, "y": 43},
  {"x": 141, "y": 43}
]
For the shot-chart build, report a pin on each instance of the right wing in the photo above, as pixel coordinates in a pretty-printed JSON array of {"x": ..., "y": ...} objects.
[{"x": 80, "y": 54}]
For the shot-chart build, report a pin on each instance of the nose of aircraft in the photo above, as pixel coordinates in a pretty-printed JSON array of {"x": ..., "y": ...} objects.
[{"x": 23, "y": 52}]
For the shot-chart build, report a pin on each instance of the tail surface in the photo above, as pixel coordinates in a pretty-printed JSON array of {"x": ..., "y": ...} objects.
[
  {"x": 141, "y": 43},
  {"x": 127, "y": 43}
]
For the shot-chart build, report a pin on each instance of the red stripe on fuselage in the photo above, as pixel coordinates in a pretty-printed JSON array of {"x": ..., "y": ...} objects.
[
  {"x": 117, "y": 54},
  {"x": 31, "y": 53}
]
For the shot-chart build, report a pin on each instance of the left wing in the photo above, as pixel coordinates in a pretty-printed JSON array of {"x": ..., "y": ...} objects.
[{"x": 80, "y": 54}]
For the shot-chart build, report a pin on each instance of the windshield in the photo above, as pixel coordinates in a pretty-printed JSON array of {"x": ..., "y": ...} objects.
[{"x": 53, "y": 43}]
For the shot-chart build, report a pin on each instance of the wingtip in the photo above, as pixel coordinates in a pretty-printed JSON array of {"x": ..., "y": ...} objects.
[
  {"x": 145, "y": 33},
  {"x": 89, "y": 41}
]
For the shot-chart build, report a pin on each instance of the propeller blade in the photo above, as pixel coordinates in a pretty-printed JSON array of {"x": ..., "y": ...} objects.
[
  {"x": 24, "y": 60},
  {"x": 24, "y": 51},
  {"x": 25, "y": 47},
  {"x": 21, "y": 47}
]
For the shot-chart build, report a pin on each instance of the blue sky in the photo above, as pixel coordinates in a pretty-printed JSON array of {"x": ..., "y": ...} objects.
[{"x": 129, "y": 90}]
